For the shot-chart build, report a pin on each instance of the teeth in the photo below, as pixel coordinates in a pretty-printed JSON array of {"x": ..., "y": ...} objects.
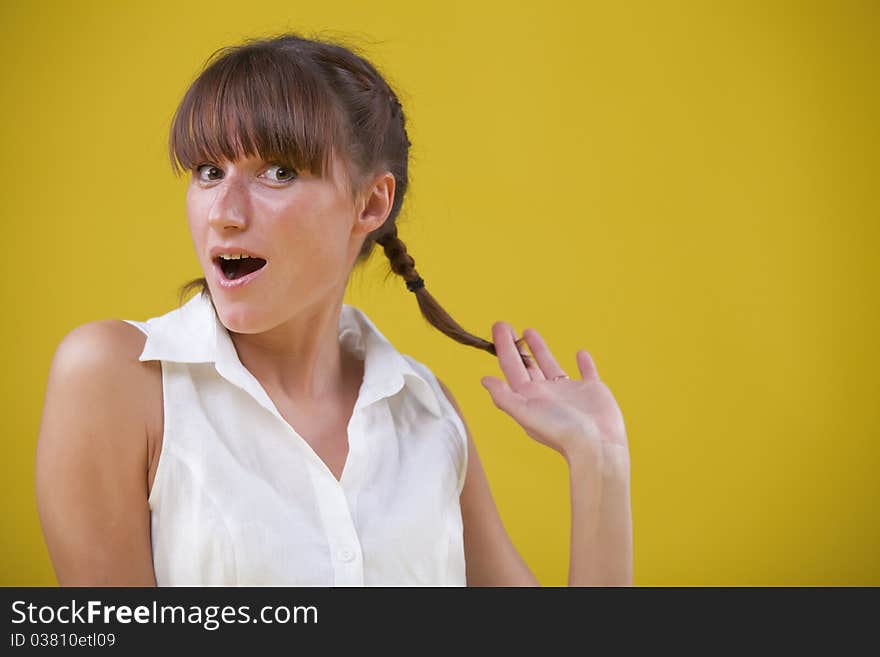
[{"x": 233, "y": 256}]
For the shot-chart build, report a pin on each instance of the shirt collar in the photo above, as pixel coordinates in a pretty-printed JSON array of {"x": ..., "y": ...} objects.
[{"x": 193, "y": 333}]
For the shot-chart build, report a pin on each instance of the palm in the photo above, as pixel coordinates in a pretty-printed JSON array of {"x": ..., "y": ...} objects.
[{"x": 564, "y": 413}]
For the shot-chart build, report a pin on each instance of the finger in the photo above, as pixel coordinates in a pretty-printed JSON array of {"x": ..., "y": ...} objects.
[
  {"x": 533, "y": 367},
  {"x": 549, "y": 367},
  {"x": 528, "y": 360},
  {"x": 503, "y": 396},
  {"x": 587, "y": 366},
  {"x": 508, "y": 355}
]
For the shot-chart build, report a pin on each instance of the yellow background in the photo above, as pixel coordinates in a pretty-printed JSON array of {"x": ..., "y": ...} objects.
[{"x": 688, "y": 190}]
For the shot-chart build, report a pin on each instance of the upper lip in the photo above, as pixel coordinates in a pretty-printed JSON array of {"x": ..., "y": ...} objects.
[{"x": 233, "y": 249}]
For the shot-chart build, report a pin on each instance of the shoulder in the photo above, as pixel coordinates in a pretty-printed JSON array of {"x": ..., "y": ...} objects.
[
  {"x": 107, "y": 347},
  {"x": 96, "y": 365},
  {"x": 449, "y": 396},
  {"x": 448, "y": 393},
  {"x": 431, "y": 377},
  {"x": 112, "y": 337},
  {"x": 470, "y": 448},
  {"x": 99, "y": 344}
]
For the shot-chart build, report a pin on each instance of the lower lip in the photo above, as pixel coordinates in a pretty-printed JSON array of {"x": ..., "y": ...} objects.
[{"x": 227, "y": 284}]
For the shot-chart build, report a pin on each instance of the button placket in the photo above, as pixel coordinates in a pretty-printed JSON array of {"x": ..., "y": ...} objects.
[
  {"x": 345, "y": 555},
  {"x": 339, "y": 528}
]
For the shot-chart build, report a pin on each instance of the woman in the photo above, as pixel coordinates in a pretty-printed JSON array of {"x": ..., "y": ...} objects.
[{"x": 265, "y": 433}]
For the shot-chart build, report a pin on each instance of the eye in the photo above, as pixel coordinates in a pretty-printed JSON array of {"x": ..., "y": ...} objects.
[
  {"x": 285, "y": 173},
  {"x": 209, "y": 167},
  {"x": 210, "y": 172}
]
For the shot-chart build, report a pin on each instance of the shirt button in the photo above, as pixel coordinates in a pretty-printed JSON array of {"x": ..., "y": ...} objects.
[{"x": 345, "y": 555}]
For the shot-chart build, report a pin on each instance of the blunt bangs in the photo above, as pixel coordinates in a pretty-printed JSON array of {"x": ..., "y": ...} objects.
[{"x": 256, "y": 102}]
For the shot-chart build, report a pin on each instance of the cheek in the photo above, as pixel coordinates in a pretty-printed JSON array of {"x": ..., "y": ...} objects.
[
  {"x": 306, "y": 244},
  {"x": 315, "y": 226},
  {"x": 194, "y": 214},
  {"x": 196, "y": 233}
]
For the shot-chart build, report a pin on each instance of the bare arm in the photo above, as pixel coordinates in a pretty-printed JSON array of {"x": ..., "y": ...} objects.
[
  {"x": 92, "y": 458},
  {"x": 601, "y": 517},
  {"x": 581, "y": 420},
  {"x": 490, "y": 557}
]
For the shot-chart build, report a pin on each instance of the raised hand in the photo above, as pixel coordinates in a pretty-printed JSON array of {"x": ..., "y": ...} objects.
[{"x": 571, "y": 416}]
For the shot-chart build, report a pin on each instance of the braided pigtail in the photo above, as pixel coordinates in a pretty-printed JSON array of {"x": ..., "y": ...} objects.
[{"x": 403, "y": 265}]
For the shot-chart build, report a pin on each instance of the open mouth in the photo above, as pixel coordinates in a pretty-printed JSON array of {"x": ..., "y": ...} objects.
[{"x": 233, "y": 268}]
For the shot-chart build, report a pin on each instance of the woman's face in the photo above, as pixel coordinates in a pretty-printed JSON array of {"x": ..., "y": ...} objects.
[{"x": 301, "y": 225}]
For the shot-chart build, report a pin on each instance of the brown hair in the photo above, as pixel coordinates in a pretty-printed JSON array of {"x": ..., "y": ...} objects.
[{"x": 301, "y": 101}]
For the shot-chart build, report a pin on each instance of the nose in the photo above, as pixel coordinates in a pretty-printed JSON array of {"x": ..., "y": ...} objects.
[{"x": 230, "y": 205}]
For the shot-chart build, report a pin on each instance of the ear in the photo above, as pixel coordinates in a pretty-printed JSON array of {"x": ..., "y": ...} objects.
[{"x": 376, "y": 202}]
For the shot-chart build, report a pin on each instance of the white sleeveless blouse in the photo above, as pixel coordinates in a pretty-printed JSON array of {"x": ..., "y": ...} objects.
[{"x": 240, "y": 499}]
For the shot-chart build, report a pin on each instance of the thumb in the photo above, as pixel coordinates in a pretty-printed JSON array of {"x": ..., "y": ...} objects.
[{"x": 502, "y": 395}]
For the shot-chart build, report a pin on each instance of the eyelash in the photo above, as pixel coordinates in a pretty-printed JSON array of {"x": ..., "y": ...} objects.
[{"x": 286, "y": 167}]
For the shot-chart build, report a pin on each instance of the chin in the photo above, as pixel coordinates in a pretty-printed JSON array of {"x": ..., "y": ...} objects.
[{"x": 242, "y": 316}]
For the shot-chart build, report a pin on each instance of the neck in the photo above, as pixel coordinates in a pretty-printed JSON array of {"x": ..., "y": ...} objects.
[{"x": 302, "y": 358}]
